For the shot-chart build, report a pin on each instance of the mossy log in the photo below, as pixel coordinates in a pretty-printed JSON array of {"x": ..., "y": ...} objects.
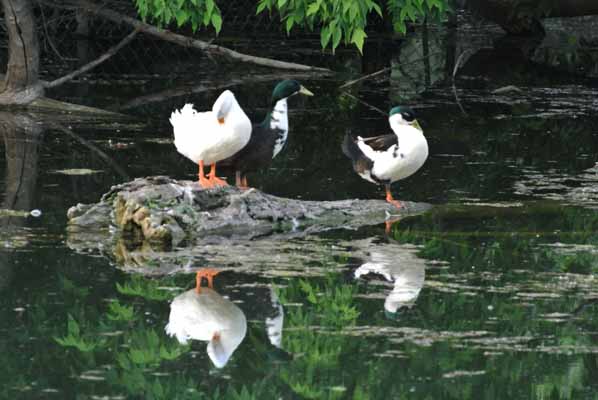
[{"x": 166, "y": 212}]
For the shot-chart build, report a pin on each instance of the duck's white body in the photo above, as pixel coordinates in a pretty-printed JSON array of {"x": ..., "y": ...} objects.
[
  {"x": 209, "y": 317},
  {"x": 400, "y": 160},
  {"x": 397, "y": 264},
  {"x": 275, "y": 323},
  {"x": 279, "y": 121},
  {"x": 200, "y": 136}
]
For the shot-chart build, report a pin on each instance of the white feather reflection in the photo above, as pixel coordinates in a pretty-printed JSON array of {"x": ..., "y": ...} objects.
[
  {"x": 398, "y": 264},
  {"x": 208, "y": 316}
]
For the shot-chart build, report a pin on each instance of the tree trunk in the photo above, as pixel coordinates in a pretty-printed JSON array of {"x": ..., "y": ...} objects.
[{"x": 21, "y": 84}]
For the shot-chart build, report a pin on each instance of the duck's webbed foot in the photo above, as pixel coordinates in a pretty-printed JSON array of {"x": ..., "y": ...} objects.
[
  {"x": 215, "y": 181},
  {"x": 391, "y": 200}
]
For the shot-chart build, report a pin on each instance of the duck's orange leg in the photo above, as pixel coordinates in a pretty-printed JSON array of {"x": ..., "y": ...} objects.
[
  {"x": 241, "y": 180},
  {"x": 214, "y": 179},
  {"x": 203, "y": 182},
  {"x": 209, "y": 274},
  {"x": 390, "y": 199}
]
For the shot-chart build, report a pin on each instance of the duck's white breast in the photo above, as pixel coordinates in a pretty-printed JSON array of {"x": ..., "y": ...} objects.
[{"x": 400, "y": 162}]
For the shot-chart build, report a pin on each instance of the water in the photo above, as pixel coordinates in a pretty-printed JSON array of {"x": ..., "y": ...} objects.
[{"x": 490, "y": 295}]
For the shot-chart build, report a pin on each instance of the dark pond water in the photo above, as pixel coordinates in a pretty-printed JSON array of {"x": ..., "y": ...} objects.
[{"x": 491, "y": 295}]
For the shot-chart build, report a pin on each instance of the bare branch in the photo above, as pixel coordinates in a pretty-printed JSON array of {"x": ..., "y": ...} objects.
[
  {"x": 112, "y": 51},
  {"x": 368, "y": 105},
  {"x": 351, "y": 83},
  {"x": 186, "y": 90}
]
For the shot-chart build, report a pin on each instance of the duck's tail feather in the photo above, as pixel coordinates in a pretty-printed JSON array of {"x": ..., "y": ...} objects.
[
  {"x": 350, "y": 148},
  {"x": 186, "y": 120},
  {"x": 362, "y": 164}
]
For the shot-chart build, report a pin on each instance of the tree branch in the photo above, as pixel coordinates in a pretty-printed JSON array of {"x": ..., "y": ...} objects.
[
  {"x": 185, "y": 41},
  {"x": 186, "y": 90},
  {"x": 111, "y": 51}
]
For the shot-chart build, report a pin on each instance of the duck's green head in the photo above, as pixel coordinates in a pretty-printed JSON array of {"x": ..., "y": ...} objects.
[
  {"x": 403, "y": 115},
  {"x": 288, "y": 88}
]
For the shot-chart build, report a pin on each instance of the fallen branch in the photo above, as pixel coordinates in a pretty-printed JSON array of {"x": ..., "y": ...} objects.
[
  {"x": 186, "y": 41},
  {"x": 186, "y": 90},
  {"x": 111, "y": 51}
]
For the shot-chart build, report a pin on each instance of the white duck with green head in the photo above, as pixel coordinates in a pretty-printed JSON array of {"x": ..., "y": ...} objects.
[{"x": 389, "y": 158}]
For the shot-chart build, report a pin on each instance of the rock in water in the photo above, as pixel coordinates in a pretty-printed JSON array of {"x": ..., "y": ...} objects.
[{"x": 165, "y": 211}]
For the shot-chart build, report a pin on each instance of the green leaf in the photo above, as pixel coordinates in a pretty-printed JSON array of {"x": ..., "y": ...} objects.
[
  {"x": 358, "y": 38},
  {"x": 313, "y": 8},
  {"x": 209, "y": 7},
  {"x": 289, "y": 24},
  {"x": 325, "y": 36},
  {"x": 181, "y": 17},
  {"x": 281, "y": 3},
  {"x": 167, "y": 14},
  {"x": 217, "y": 22},
  {"x": 353, "y": 11},
  {"x": 336, "y": 37},
  {"x": 377, "y": 9},
  {"x": 400, "y": 27},
  {"x": 260, "y": 7}
]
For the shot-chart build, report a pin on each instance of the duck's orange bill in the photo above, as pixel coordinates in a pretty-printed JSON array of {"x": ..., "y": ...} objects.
[{"x": 221, "y": 121}]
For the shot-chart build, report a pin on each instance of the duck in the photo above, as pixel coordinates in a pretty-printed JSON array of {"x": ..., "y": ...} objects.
[
  {"x": 389, "y": 158},
  {"x": 203, "y": 314},
  {"x": 211, "y": 136},
  {"x": 268, "y": 137}
]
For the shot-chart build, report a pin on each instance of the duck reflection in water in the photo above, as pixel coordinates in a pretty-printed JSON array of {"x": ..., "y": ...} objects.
[
  {"x": 400, "y": 265},
  {"x": 203, "y": 314}
]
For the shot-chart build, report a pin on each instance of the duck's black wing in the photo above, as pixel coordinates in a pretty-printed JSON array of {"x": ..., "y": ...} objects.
[
  {"x": 257, "y": 153},
  {"x": 382, "y": 142}
]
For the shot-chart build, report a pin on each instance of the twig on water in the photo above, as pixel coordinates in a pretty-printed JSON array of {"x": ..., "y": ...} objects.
[{"x": 105, "y": 157}]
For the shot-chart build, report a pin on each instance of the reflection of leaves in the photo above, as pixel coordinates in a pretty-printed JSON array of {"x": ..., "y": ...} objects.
[
  {"x": 119, "y": 312},
  {"x": 145, "y": 288},
  {"x": 69, "y": 286},
  {"x": 147, "y": 349},
  {"x": 74, "y": 339}
]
